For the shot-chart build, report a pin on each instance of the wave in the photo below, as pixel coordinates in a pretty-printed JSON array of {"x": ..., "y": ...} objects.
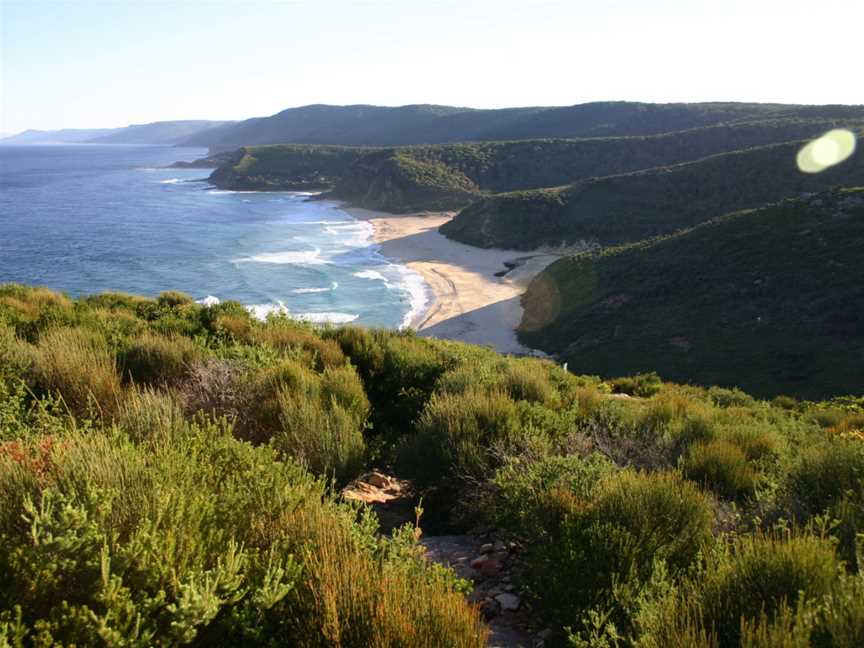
[
  {"x": 261, "y": 311},
  {"x": 418, "y": 294},
  {"x": 209, "y": 300},
  {"x": 302, "y": 291},
  {"x": 373, "y": 275},
  {"x": 327, "y": 317},
  {"x": 172, "y": 181},
  {"x": 308, "y": 257}
]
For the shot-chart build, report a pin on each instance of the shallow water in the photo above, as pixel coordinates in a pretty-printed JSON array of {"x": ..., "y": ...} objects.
[{"x": 87, "y": 219}]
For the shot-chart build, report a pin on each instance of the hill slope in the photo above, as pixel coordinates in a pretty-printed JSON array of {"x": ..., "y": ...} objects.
[
  {"x": 363, "y": 125},
  {"x": 770, "y": 300},
  {"x": 449, "y": 176},
  {"x": 164, "y": 132},
  {"x": 634, "y": 206}
]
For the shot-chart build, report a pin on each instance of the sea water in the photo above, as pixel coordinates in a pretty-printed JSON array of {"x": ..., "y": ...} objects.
[{"x": 86, "y": 219}]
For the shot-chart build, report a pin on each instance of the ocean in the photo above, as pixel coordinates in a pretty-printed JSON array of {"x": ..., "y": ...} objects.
[{"x": 86, "y": 219}]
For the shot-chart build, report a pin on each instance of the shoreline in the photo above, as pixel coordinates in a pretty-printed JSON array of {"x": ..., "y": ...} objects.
[{"x": 475, "y": 293}]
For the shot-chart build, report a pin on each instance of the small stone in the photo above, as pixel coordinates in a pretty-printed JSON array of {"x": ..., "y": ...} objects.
[
  {"x": 506, "y": 579},
  {"x": 490, "y": 609},
  {"x": 499, "y": 546},
  {"x": 487, "y": 567},
  {"x": 508, "y": 601},
  {"x": 378, "y": 480},
  {"x": 487, "y": 548},
  {"x": 476, "y": 596},
  {"x": 508, "y": 587}
]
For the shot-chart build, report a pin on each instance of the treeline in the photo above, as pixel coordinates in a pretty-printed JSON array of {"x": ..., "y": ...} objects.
[{"x": 165, "y": 479}]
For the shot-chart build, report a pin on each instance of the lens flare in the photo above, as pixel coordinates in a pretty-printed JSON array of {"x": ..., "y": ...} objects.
[{"x": 832, "y": 148}]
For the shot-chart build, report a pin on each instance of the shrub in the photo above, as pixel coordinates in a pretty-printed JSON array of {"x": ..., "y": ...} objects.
[
  {"x": 206, "y": 540},
  {"x": 528, "y": 380},
  {"x": 634, "y": 521},
  {"x": 759, "y": 575},
  {"x": 722, "y": 467},
  {"x": 286, "y": 336},
  {"x": 79, "y": 367},
  {"x": 317, "y": 419},
  {"x": 723, "y": 397},
  {"x": 325, "y": 437},
  {"x": 458, "y": 434},
  {"x": 173, "y": 298},
  {"x": 399, "y": 372},
  {"x": 644, "y": 385},
  {"x": 522, "y": 484},
  {"x": 825, "y": 473},
  {"x": 150, "y": 415},
  {"x": 154, "y": 359}
]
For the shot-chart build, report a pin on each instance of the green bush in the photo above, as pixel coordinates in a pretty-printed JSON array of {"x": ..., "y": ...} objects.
[
  {"x": 208, "y": 540},
  {"x": 78, "y": 366},
  {"x": 759, "y": 575},
  {"x": 644, "y": 385},
  {"x": 722, "y": 467},
  {"x": 157, "y": 359},
  {"x": 457, "y": 437},
  {"x": 825, "y": 473},
  {"x": 634, "y": 522}
]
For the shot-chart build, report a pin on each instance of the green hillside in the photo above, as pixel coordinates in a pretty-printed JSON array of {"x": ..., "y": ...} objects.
[
  {"x": 286, "y": 168},
  {"x": 771, "y": 301},
  {"x": 451, "y": 176},
  {"x": 364, "y": 125},
  {"x": 643, "y": 204},
  {"x": 170, "y": 475}
]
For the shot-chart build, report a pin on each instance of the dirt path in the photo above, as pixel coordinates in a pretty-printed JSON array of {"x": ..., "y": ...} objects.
[{"x": 490, "y": 563}]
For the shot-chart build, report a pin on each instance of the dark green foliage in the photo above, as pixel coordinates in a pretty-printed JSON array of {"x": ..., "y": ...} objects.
[
  {"x": 769, "y": 301},
  {"x": 636, "y": 206},
  {"x": 644, "y": 385},
  {"x": 632, "y": 523},
  {"x": 827, "y": 472},
  {"x": 157, "y": 358},
  {"x": 762, "y": 574},
  {"x": 399, "y": 372},
  {"x": 722, "y": 467},
  {"x": 422, "y": 124}
]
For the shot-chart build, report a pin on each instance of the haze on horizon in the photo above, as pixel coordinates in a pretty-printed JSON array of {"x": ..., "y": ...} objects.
[{"x": 89, "y": 64}]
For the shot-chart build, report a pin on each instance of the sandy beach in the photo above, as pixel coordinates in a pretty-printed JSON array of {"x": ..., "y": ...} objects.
[{"x": 468, "y": 302}]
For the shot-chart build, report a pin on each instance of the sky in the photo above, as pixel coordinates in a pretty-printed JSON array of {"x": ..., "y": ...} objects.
[{"x": 109, "y": 63}]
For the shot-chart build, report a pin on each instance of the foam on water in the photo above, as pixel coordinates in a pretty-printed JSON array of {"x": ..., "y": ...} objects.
[
  {"x": 372, "y": 275},
  {"x": 308, "y": 257},
  {"x": 327, "y": 317},
  {"x": 307, "y": 291}
]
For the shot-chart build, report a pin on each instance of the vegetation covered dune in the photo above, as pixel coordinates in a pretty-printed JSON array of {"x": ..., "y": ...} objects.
[{"x": 169, "y": 475}]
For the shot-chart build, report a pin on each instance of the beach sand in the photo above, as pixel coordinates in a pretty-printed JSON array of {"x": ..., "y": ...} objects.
[{"x": 469, "y": 303}]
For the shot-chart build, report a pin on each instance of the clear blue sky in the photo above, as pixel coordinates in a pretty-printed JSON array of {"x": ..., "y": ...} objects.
[{"x": 88, "y": 63}]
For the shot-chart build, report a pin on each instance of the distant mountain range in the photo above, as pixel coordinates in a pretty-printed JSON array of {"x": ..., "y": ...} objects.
[
  {"x": 363, "y": 125},
  {"x": 164, "y": 132}
]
